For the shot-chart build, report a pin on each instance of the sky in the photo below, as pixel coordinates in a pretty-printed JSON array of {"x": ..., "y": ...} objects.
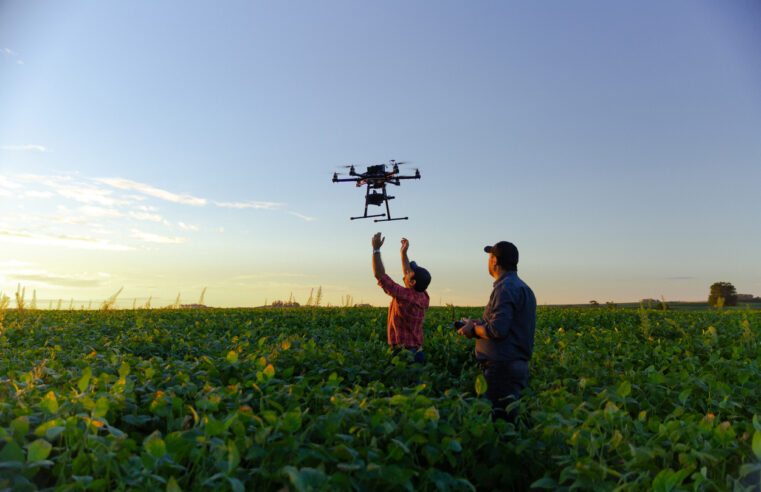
[{"x": 164, "y": 148}]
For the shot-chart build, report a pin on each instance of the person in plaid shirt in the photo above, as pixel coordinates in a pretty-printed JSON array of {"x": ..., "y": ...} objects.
[{"x": 408, "y": 304}]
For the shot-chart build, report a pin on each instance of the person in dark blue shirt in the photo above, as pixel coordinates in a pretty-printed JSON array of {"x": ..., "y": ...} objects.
[{"x": 505, "y": 335}]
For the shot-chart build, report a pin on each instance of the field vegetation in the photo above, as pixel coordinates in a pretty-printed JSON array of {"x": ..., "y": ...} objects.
[{"x": 309, "y": 399}]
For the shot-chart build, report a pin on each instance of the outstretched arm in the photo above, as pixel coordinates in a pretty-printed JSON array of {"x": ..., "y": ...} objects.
[
  {"x": 405, "y": 260},
  {"x": 378, "y": 269}
]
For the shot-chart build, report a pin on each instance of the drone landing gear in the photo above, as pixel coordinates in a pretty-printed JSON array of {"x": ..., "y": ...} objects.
[
  {"x": 387, "y": 220},
  {"x": 378, "y": 199},
  {"x": 386, "y": 198},
  {"x": 379, "y": 220},
  {"x": 367, "y": 216}
]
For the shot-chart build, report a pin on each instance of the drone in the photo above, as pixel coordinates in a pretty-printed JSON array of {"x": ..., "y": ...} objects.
[{"x": 376, "y": 178}]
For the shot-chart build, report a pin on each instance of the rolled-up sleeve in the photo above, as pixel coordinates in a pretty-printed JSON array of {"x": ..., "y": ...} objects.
[
  {"x": 497, "y": 324},
  {"x": 392, "y": 288}
]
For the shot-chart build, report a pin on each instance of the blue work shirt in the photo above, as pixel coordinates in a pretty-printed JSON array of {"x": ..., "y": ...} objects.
[{"x": 509, "y": 320}]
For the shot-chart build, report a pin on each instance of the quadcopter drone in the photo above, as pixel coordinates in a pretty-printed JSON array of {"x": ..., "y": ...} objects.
[{"x": 376, "y": 178}]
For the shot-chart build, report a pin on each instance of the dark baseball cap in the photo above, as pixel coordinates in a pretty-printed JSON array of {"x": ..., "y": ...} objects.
[
  {"x": 422, "y": 277},
  {"x": 506, "y": 252}
]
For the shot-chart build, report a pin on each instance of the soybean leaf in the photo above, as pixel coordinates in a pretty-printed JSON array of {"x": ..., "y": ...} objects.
[
  {"x": 11, "y": 452},
  {"x": 292, "y": 421},
  {"x": 545, "y": 483},
  {"x": 624, "y": 389},
  {"x": 84, "y": 381},
  {"x": 43, "y": 428},
  {"x": 154, "y": 445},
  {"x": 49, "y": 403},
  {"x": 665, "y": 480},
  {"x": 757, "y": 444},
  {"x": 20, "y": 426},
  {"x": 101, "y": 407},
  {"x": 38, "y": 450},
  {"x": 232, "y": 357},
  {"x": 305, "y": 478},
  {"x": 172, "y": 485},
  {"x": 236, "y": 484},
  {"x": 233, "y": 456}
]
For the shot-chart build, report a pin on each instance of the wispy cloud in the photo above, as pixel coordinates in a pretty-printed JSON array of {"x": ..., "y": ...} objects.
[
  {"x": 7, "y": 183},
  {"x": 99, "y": 212},
  {"x": 303, "y": 217},
  {"x": 52, "y": 279},
  {"x": 36, "y": 194},
  {"x": 265, "y": 275},
  {"x": 156, "y": 238},
  {"x": 14, "y": 264},
  {"x": 61, "y": 240},
  {"x": 145, "y": 216},
  {"x": 24, "y": 148},
  {"x": 64, "y": 216},
  {"x": 77, "y": 191},
  {"x": 102, "y": 203},
  {"x": 255, "y": 205},
  {"x": 9, "y": 53},
  {"x": 187, "y": 227},
  {"x": 86, "y": 194},
  {"x": 126, "y": 184}
]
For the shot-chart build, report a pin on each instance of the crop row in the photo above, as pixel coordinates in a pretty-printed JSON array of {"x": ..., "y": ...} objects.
[{"x": 310, "y": 399}]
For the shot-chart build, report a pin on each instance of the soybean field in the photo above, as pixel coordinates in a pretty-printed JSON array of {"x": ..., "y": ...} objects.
[{"x": 310, "y": 399}]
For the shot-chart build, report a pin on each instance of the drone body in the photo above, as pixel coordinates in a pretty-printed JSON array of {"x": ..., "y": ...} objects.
[{"x": 376, "y": 178}]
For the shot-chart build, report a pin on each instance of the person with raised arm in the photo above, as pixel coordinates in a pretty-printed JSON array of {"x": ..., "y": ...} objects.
[{"x": 408, "y": 303}]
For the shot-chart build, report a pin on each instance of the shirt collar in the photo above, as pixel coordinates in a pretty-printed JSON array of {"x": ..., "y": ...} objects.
[{"x": 505, "y": 276}]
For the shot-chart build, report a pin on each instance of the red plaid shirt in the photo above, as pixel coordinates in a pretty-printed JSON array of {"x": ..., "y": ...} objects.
[{"x": 405, "y": 314}]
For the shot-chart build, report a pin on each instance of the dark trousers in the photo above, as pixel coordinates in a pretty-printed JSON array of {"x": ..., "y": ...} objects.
[
  {"x": 417, "y": 353},
  {"x": 414, "y": 366},
  {"x": 504, "y": 382}
]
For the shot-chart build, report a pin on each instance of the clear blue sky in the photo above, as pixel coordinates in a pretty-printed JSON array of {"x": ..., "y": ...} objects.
[{"x": 170, "y": 146}]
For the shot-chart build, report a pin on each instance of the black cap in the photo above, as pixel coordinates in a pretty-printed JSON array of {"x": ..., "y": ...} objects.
[
  {"x": 422, "y": 277},
  {"x": 506, "y": 253}
]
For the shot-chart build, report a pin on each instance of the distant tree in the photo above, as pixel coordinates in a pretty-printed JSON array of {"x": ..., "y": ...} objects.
[
  {"x": 285, "y": 304},
  {"x": 611, "y": 305},
  {"x": 725, "y": 291},
  {"x": 594, "y": 303},
  {"x": 748, "y": 298}
]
